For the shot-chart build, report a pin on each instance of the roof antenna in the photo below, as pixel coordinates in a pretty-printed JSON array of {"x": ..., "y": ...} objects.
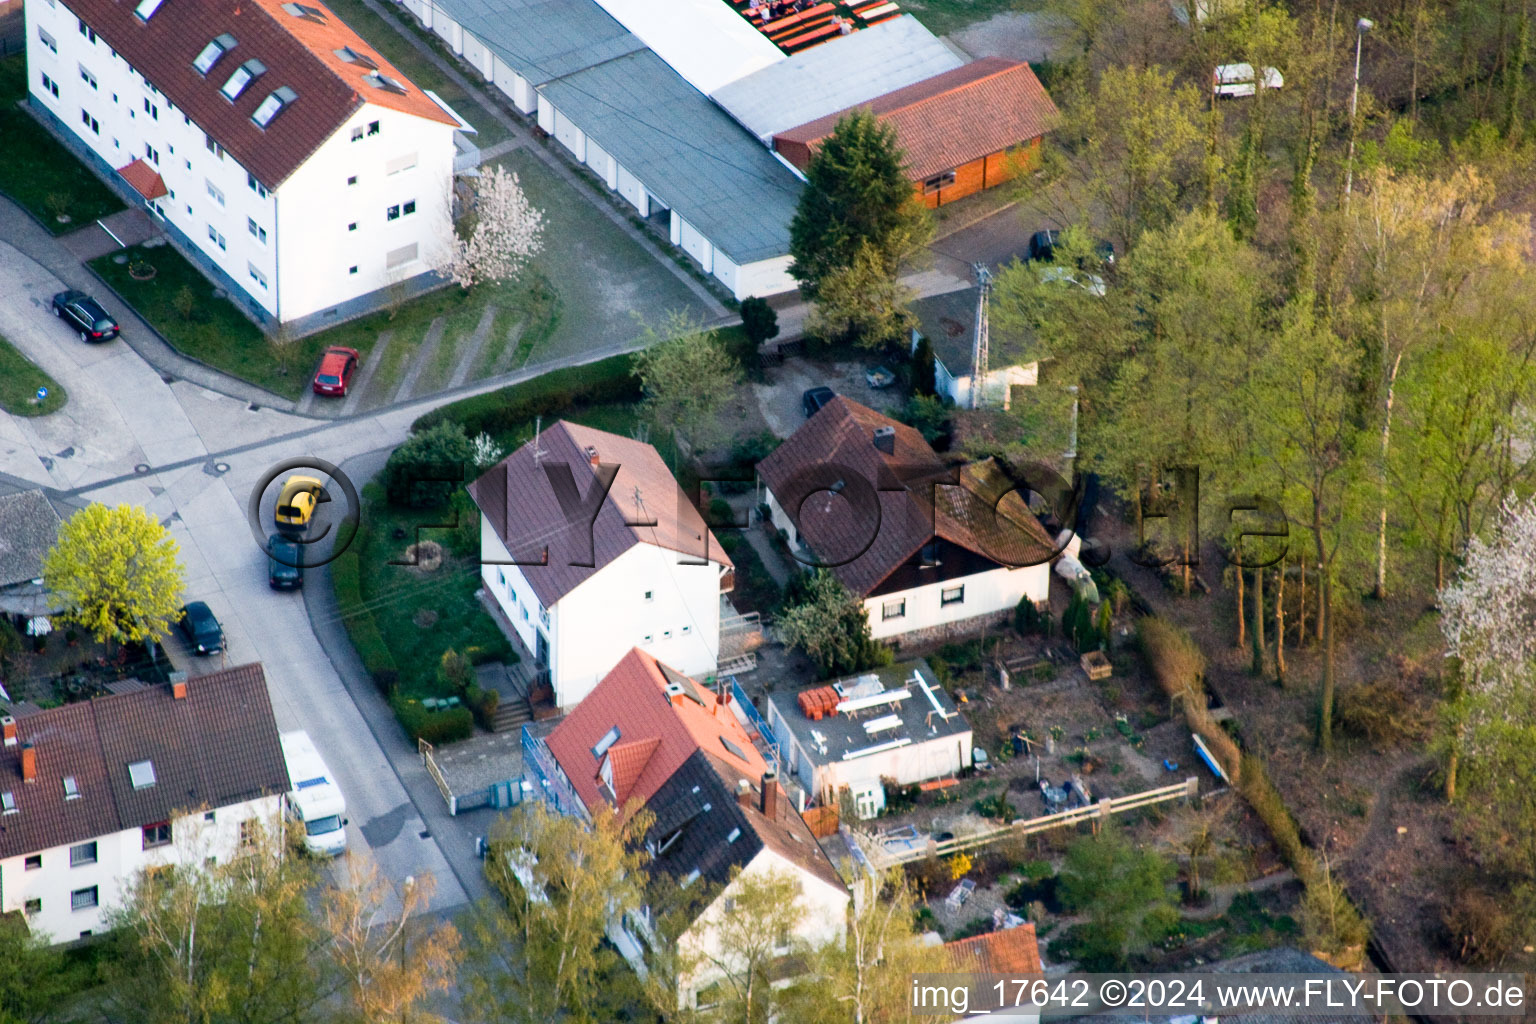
[{"x": 538, "y": 427}]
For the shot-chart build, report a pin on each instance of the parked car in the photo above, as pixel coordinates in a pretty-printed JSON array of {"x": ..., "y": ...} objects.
[
  {"x": 85, "y": 315},
  {"x": 1233, "y": 80},
  {"x": 203, "y": 632},
  {"x": 336, "y": 368},
  {"x": 814, "y": 399},
  {"x": 1042, "y": 247},
  {"x": 1093, "y": 284},
  {"x": 296, "y": 502},
  {"x": 285, "y": 563}
]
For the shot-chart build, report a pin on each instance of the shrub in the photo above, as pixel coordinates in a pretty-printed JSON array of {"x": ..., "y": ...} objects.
[
  {"x": 758, "y": 320},
  {"x": 1173, "y": 658},
  {"x": 1028, "y": 619},
  {"x": 972, "y": 928},
  {"x": 426, "y": 470},
  {"x": 922, "y": 368},
  {"x": 464, "y": 540},
  {"x": 483, "y": 705},
  {"x": 454, "y": 673},
  {"x": 996, "y": 806},
  {"x": 447, "y": 726},
  {"x": 959, "y": 866},
  {"x": 1077, "y": 624},
  {"x": 557, "y": 393},
  {"x": 371, "y": 649},
  {"x": 1380, "y": 712}
]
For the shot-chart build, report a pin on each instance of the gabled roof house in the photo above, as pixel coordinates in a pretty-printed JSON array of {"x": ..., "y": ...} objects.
[
  {"x": 932, "y": 549},
  {"x": 590, "y": 548}
]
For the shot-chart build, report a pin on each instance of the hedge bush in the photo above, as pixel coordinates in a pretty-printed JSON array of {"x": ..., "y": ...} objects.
[
  {"x": 447, "y": 726},
  {"x": 364, "y": 632},
  {"x": 610, "y": 380}
]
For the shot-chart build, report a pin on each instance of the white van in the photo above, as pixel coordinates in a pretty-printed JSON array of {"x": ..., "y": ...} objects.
[
  {"x": 1237, "y": 80},
  {"x": 315, "y": 801}
]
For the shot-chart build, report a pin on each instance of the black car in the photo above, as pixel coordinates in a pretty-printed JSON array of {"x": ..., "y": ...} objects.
[
  {"x": 85, "y": 315},
  {"x": 1042, "y": 246},
  {"x": 814, "y": 399},
  {"x": 285, "y": 563},
  {"x": 203, "y": 632}
]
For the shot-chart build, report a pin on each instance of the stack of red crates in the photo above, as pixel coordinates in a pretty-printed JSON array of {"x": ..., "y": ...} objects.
[{"x": 818, "y": 703}]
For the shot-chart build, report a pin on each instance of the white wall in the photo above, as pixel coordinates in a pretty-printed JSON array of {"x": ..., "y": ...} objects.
[
  {"x": 476, "y": 53},
  {"x": 546, "y": 115},
  {"x": 632, "y": 189},
  {"x": 592, "y": 627},
  {"x": 763, "y": 278},
  {"x": 316, "y": 206},
  {"x": 824, "y": 919},
  {"x": 119, "y": 857},
  {"x": 596, "y": 624},
  {"x": 996, "y": 391},
  {"x": 603, "y": 165},
  {"x": 995, "y": 590},
  {"x": 569, "y": 136}
]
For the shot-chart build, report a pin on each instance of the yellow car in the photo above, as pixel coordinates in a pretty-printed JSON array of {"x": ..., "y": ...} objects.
[{"x": 296, "y": 504}]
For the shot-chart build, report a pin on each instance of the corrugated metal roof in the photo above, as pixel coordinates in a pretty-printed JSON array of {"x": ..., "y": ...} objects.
[
  {"x": 543, "y": 40},
  {"x": 836, "y": 75},
  {"x": 686, "y": 150}
]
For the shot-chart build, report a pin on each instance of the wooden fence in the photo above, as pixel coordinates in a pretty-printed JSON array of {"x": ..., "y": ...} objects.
[{"x": 880, "y": 858}]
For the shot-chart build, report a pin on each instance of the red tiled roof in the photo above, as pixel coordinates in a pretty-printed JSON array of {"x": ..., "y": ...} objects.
[
  {"x": 946, "y": 121},
  {"x": 518, "y": 496},
  {"x": 295, "y": 51},
  {"x": 915, "y": 491},
  {"x": 1013, "y": 951},
  {"x": 145, "y": 179},
  {"x": 633, "y": 697},
  {"x": 214, "y": 747}
]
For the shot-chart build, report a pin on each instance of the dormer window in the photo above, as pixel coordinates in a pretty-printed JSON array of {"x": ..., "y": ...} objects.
[
  {"x": 273, "y": 105},
  {"x": 147, "y": 9},
  {"x": 244, "y": 75},
  {"x": 381, "y": 81},
  {"x": 306, "y": 12},
  {"x": 351, "y": 56},
  {"x": 211, "y": 53}
]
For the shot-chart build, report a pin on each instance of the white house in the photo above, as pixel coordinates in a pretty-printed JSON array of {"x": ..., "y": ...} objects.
[
  {"x": 933, "y": 550},
  {"x": 649, "y": 736},
  {"x": 948, "y": 321},
  {"x": 296, "y": 166},
  {"x": 590, "y": 548},
  {"x": 894, "y": 723},
  {"x": 92, "y": 793}
]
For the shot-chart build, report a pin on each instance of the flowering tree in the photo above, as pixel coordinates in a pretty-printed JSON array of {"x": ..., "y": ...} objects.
[{"x": 507, "y": 233}]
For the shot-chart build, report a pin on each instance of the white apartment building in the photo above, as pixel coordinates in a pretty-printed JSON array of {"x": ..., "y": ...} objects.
[
  {"x": 586, "y": 565},
  {"x": 93, "y": 793},
  {"x": 297, "y": 167}
]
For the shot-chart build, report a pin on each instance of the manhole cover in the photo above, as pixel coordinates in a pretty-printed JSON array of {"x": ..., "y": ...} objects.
[
  {"x": 141, "y": 468},
  {"x": 221, "y": 467}
]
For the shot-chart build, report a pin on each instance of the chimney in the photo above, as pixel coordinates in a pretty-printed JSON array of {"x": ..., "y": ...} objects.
[
  {"x": 28, "y": 763},
  {"x": 770, "y": 795},
  {"x": 8, "y": 728},
  {"x": 744, "y": 792},
  {"x": 592, "y": 456},
  {"x": 885, "y": 439},
  {"x": 179, "y": 685}
]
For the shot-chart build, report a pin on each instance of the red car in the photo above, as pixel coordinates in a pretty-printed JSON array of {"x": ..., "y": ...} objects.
[{"x": 336, "y": 369}]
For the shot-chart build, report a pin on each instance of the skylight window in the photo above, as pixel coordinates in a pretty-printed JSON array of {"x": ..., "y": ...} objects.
[
  {"x": 380, "y": 81},
  {"x": 733, "y": 748},
  {"x": 735, "y": 835},
  {"x": 351, "y": 56},
  {"x": 147, "y": 9},
  {"x": 272, "y": 105},
  {"x": 306, "y": 12},
  {"x": 212, "y": 52},
  {"x": 243, "y": 76},
  {"x": 71, "y": 790},
  {"x": 142, "y": 774},
  {"x": 8, "y": 802},
  {"x": 609, "y": 739}
]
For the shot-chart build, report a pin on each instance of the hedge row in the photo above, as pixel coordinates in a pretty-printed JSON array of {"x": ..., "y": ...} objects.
[
  {"x": 552, "y": 394},
  {"x": 448, "y": 725},
  {"x": 1176, "y": 662},
  {"x": 366, "y": 639}
]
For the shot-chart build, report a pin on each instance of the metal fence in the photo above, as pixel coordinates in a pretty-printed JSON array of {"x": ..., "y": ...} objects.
[
  {"x": 770, "y": 744},
  {"x": 548, "y": 781}
]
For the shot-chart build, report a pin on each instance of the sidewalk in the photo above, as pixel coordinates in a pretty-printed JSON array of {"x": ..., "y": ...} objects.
[{"x": 21, "y": 231}]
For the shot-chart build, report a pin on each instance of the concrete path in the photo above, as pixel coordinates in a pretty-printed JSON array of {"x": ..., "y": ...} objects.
[
  {"x": 111, "y": 233},
  {"x": 423, "y": 356},
  {"x": 365, "y": 373},
  {"x": 475, "y": 346},
  {"x": 509, "y": 350},
  {"x": 493, "y": 101}
]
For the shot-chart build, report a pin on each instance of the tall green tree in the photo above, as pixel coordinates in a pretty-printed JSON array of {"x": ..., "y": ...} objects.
[
  {"x": 831, "y": 626},
  {"x": 867, "y": 978},
  {"x": 857, "y": 192},
  {"x": 1123, "y": 891},
  {"x": 742, "y": 939},
  {"x": 863, "y": 303},
  {"x": 536, "y": 947},
  {"x": 117, "y": 572},
  {"x": 688, "y": 376},
  {"x": 36, "y": 985}
]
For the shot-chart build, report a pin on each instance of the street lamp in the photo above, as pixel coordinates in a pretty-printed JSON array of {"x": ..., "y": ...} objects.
[{"x": 1362, "y": 26}]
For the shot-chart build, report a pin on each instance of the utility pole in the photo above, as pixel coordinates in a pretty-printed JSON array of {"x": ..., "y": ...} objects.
[
  {"x": 979, "y": 353},
  {"x": 1362, "y": 26}
]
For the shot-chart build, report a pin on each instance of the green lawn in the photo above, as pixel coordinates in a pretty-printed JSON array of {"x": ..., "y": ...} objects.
[
  {"x": 39, "y": 173},
  {"x": 398, "y": 50},
  {"x": 19, "y": 381},
  {"x": 942, "y": 17}
]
